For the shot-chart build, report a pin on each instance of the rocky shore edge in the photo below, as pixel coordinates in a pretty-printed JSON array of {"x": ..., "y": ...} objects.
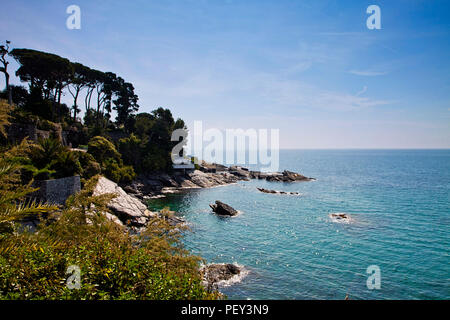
[
  {"x": 129, "y": 210},
  {"x": 128, "y": 207},
  {"x": 156, "y": 185}
]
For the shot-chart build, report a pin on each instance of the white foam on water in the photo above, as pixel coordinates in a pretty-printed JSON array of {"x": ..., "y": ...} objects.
[
  {"x": 340, "y": 220},
  {"x": 236, "y": 278},
  {"x": 239, "y": 212},
  {"x": 159, "y": 196}
]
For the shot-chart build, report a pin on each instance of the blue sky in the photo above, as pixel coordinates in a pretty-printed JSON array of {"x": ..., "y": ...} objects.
[{"x": 309, "y": 68}]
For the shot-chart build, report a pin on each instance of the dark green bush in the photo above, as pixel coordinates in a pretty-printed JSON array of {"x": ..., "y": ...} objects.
[
  {"x": 77, "y": 135},
  {"x": 156, "y": 160},
  {"x": 113, "y": 263},
  {"x": 65, "y": 165},
  {"x": 47, "y": 125},
  {"x": 45, "y": 151},
  {"x": 131, "y": 149},
  {"x": 110, "y": 160},
  {"x": 101, "y": 149},
  {"x": 118, "y": 173},
  {"x": 43, "y": 174},
  {"x": 88, "y": 164}
]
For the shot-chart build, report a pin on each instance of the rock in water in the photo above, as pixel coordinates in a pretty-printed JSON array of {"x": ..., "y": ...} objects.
[
  {"x": 340, "y": 217},
  {"x": 214, "y": 273},
  {"x": 223, "y": 209},
  {"x": 278, "y": 192},
  {"x": 266, "y": 190},
  {"x": 288, "y": 176}
]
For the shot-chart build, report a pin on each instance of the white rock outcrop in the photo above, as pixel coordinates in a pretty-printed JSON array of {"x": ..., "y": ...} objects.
[{"x": 128, "y": 209}]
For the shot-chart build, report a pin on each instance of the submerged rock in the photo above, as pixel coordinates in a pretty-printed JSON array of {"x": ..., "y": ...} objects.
[
  {"x": 340, "y": 217},
  {"x": 277, "y": 192},
  {"x": 223, "y": 209},
  {"x": 214, "y": 273}
]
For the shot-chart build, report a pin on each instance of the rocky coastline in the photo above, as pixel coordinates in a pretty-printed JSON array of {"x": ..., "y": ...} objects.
[
  {"x": 157, "y": 184},
  {"x": 129, "y": 208}
]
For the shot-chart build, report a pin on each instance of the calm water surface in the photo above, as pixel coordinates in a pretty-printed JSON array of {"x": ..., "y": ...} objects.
[{"x": 399, "y": 204}]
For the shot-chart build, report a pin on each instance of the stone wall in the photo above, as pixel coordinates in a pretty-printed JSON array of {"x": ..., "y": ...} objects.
[
  {"x": 58, "y": 190},
  {"x": 19, "y": 131}
]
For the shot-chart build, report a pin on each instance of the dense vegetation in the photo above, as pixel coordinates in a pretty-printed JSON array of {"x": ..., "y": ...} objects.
[
  {"x": 136, "y": 143},
  {"x": 114, "y": 264}
]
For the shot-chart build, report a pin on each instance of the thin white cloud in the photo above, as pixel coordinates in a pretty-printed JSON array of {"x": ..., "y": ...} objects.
[
  {"x": 232, "y": 87},
  {"x": 364, "y": 89},
  {"x": 300, "y": 67},
  {"x": 349, "y": 33},
  {"x": 367, "y": 73}
]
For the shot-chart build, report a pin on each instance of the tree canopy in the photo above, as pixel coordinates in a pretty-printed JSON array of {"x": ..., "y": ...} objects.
[
  {"x": 147, "y": 143},
  {"x": 50, "y": 74}
]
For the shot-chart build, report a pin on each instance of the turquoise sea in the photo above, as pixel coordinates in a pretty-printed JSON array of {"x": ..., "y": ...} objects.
[{"x": 291, "y": 249}]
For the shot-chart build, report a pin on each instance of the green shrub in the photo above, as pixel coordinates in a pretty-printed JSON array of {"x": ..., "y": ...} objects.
[
  {"x": 131, "y": 148},
  {"x": 66, "y": 165},
  {"x": 77, "y": 135},
  {"x": 45, "y": 151},
  {"x": 127, "y": 174},
  {"x": 118, "y": 173},
  {"x": 155, "y": 160},
  {"x": 110, "y": 160},
  {"x": 89, "y": 166},
  {"x": 43, "y": 174},
  {"x": 50, "y": 159},
  {"x": 101, "y": 149},
  {"x": 143, "y": 155},
  {"x": 46, "y": 125},
  {"x": 13, "y": 203},
  {"x": 113, "y": 263}
]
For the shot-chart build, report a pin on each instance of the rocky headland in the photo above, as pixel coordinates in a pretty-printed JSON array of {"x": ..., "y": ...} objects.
[
  {"x": 209, "y": 175},
  {"x": 157, "y": 184},
  {"x": 129, "y": 209}
]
